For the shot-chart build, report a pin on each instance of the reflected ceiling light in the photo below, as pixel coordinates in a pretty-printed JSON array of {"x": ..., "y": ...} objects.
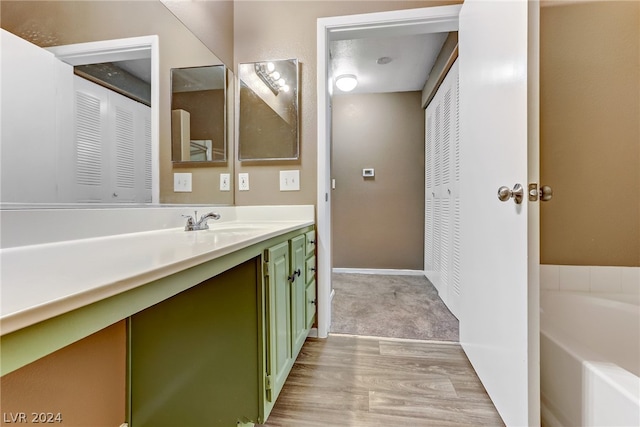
[
  {"x": 346, "y": 82},
  {"x": 268, "y": 74}
]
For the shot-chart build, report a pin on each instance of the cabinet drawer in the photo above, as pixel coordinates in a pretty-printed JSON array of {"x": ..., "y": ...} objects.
[
  {"x": 311, "y": 304},
  {"x": 310, "y": 269},
  {"x": 311, "y": 242}
]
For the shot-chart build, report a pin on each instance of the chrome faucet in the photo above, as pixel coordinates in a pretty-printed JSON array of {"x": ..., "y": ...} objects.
[{"x": 192, "y": 225}]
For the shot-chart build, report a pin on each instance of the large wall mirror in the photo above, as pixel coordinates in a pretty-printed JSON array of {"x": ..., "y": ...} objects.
[
  {"x": 268, "y": 120},
  {"x": 198, "y": 114},
  {"x": 52, "y": 24}
]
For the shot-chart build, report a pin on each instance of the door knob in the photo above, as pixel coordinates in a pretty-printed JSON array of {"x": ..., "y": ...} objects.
[
  {"x": 517, "y": 194},
  {"x": 544, "y": 193}
]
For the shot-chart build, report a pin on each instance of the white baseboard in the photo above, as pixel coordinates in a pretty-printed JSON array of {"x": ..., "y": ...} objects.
[
  {"x": 313, "y": 333},
  {"x": 381, "y": 271}
]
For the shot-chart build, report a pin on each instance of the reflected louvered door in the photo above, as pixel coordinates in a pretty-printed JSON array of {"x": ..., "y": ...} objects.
[
  {"x": 144, "y": 191},
  {"x": 90, "y": 155},
  {"x": 123, "y": 156},
  {"x": 112, "y": 151}
]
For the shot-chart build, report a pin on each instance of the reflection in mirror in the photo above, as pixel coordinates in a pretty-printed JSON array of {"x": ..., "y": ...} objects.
[
  {"x": 198, "y": 114},
  {"x": 268, "y": 122},
  {"x": 32, "y": 106}
]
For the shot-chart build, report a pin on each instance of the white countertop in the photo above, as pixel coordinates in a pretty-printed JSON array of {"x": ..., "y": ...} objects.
[{"x": 44, "y": 280}]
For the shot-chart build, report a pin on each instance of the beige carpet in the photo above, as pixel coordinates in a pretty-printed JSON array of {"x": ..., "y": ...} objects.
[{"x": 390, "y": 306}]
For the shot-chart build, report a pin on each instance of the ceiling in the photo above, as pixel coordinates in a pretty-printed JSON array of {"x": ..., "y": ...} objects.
[
  {"x": 141, "y": 68},
  {"x": 412, "y": 58}
]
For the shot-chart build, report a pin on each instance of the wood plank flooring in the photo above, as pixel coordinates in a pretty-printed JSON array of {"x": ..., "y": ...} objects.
[{"x": 366, "y": 381}]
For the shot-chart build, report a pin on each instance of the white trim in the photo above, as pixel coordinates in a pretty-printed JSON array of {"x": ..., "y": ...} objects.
[
  {"x": 120, "y": 50},
  {"x": 424, "y": 20},
  {"x": 105, "y": 50},
  {"x": 380, "y": 271},
  {"x": 313, "y": 333},
  {"x": 393, "y": 339}
]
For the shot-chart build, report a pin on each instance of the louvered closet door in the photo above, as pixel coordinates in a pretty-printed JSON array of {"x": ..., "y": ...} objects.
[
  {"x": 452, "y": 160},
  {"x": 91, "y": 152},
  {"x": 144, "y": 164},
  {"x": 112, "y": 158},
  {"x": 429, "y": 194},
  {"x": 130, "y": 126},
  {"x": 442, "y": 201},
  {"x": 123, "y": 156}
]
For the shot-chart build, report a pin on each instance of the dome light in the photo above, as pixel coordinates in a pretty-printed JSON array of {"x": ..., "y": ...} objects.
[{"x": 346, "y": 82}]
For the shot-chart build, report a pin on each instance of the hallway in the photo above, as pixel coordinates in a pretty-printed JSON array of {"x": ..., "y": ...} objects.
[{"x": 390, "y": 306}]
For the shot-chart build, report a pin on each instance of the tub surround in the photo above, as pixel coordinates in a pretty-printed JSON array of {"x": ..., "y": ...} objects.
[
  {"x": 590, "y": 278},
  {"x": 57, "y": 291}
]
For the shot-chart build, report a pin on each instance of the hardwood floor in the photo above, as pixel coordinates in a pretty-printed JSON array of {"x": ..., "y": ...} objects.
[{"x": 362, "y": 381}]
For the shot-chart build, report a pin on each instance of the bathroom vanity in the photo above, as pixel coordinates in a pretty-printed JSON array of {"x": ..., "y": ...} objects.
[{"x": 215, "y": 318}]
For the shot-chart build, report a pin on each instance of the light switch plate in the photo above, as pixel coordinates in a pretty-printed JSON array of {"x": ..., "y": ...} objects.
[
  {"x": 368, "y": 172},
  {"x": 243, "y": 181},
  {"x": 182, "y": 182},
  {"x": 225, "y": 182},
  {"x": 290, "y": 180}
]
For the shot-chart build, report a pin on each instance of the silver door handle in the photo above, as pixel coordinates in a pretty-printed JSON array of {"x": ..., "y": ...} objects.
[{"x": 517, "y": 194}]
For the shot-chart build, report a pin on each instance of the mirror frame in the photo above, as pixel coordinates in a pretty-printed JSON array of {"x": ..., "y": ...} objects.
[
  {"x": 296, "y": 99},
  {"x": 204, "y": 163}
]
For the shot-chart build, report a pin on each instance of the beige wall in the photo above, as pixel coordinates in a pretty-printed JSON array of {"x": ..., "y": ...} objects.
[
  {"x": 287, "y": 29},
  {"x": 49, "y": 23},
  {"x": 211, "y": 22},
  {"x": 206, "y": 114},
  {"x": 378, "y": 222},
  {"x": 85, "y": 382},
  {"x": 590, "y": 133}
]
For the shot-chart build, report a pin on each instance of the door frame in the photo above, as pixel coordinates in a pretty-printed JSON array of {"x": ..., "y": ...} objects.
[
  {"x": 121, "y": 50},
  {"x": 393, "y": 23}
]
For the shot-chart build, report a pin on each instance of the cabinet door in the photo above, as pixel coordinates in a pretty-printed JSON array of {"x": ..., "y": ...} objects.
[
  {"x": 280, "y": 355},
  {"x": 194, "y": 358},
  {"x": 311, "y": 303},
  {"x": 298, "y": 293}
]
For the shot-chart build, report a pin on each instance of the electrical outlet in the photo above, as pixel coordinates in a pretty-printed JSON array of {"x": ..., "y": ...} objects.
[
  {"x": 290, "y": 180},
  {"x": 182, "y": 182},
  {"x": 225, "y": 182},
  {"x": 243, "y": 181}
]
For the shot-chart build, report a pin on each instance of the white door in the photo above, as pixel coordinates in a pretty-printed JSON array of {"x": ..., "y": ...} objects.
[{"x": 498, "y": 109}]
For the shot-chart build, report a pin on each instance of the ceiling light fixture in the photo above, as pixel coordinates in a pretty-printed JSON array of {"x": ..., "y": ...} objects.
[
  {"x": 383, "y": 60},
  {"x": 346, "y": 82}
]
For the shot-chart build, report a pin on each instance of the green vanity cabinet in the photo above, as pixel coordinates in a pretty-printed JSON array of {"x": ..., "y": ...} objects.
[
  {"x": 310, "y": 292},
  {"x": 310, "y": 278},
  {"x": 287, "y": 320},
  {"x": 279, "y": 355},
  {"x": 299, "y": 329},
  {"x": 219, "y": 352},
  {"x": 195, "y": 357}
]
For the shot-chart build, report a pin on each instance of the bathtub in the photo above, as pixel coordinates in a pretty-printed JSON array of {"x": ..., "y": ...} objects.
[{"x": 589, "y": 359}]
